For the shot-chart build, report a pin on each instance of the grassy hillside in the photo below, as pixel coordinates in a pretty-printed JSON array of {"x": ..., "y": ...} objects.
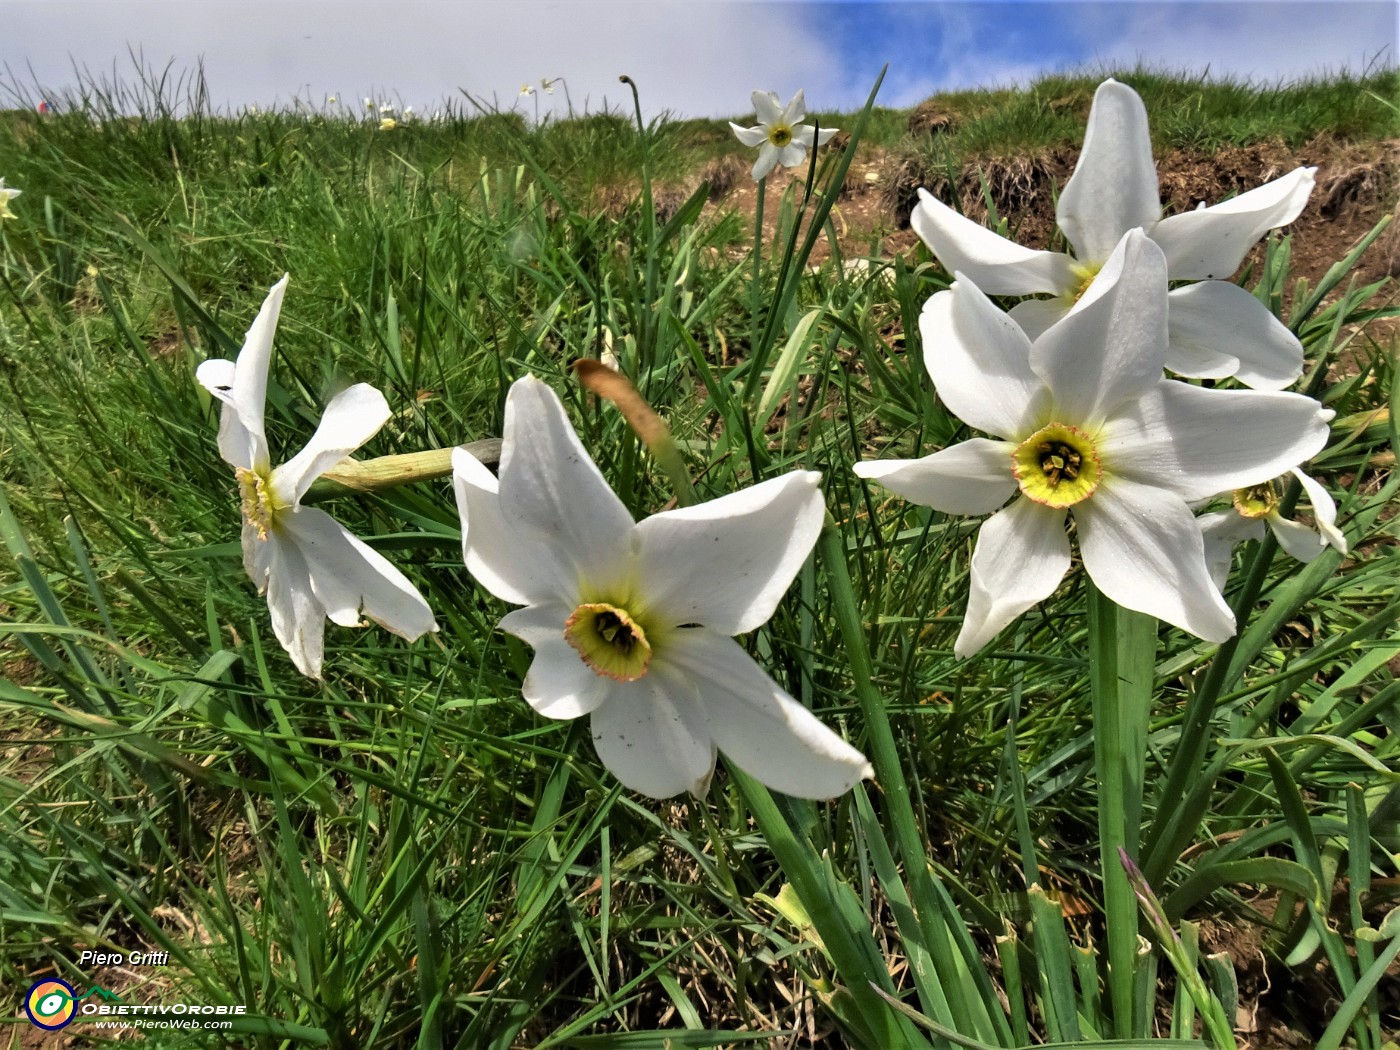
[{"x": 405, "y": 855}]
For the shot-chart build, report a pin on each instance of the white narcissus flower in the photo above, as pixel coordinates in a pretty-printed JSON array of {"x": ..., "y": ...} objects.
[
  {"x": 631, "y": 622},
  {"x": 7, "y": 195},
  {"x": 310, "y": 567},
  {"x": 1257, "y": 506},
  {"x": 780, "y": 132},
  {"x": 1217, "y": 329},
  {"x": 1083, "y": 420}
]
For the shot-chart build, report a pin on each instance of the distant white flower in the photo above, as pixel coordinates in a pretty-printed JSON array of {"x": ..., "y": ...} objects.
[
  {"x": 1217, "y": 329},
  {"x": 780, "y": 133},
  {"x": 309, "y": 565},
  {"x": 330, "y": 99},
  {"x": 631, "y": 623},
  {"x": 1257, "y": 506},
  {"x": 526, "y": 90},
  {"x": 369, "y": 102},
  {"x": 1083, "y": 419},
  {"x": 7, "y": 195}
]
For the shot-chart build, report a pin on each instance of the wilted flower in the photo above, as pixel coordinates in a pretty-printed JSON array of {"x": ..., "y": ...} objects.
[
  {"x": 1086, "y": 421},
  {"x": 1217, "y": 329},
  {"x": 1257, "y": 506},
  {"x": 388, "y": 124},
  {"x": 631, "y": 623},
  {"x": 780, "y": 133},
  {"x": 309, "y": 565},
  {"x": 7, "y": 195}
]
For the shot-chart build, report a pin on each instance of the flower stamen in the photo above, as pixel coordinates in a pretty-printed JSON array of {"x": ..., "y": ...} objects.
[
  {"x": 780, "y": 135},
  {"x": 1084, "y": 274},
  {"x": 609, "y": 641},
  {"x": 1058, "y": 466},
  {"x": 255, "y": 500},
  {"x": 1257, "y": 501}
]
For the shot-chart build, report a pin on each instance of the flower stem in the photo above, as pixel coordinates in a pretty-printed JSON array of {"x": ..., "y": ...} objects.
[
  {"x": 960, "y": 974},
  {"x": 386, "y": 472},
  {"x": 756, "y": 283},
  {"x": 1122, "y": 647}
]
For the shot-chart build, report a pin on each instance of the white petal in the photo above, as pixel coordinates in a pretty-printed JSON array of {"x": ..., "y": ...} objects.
[
  {"x": 1213, "y": 324},
  {"x": 749, "y": 136},
  {"x": 216, "y": 376},
  {"x": 298, "y": 619},
  {"x": 351, "y": 418},
  {"x": 1142, "y": 547},
  {"x": 759, "y": 727},
  {"x": 1324, "y": 511},
  {"x": 767, "y": 107},
  {"x": 793, "y": 155},
  {"x": 1297, "y": 540},
  {"x": 508, "y": 559},
  {"x": 973, "y": 477},
  {"x": 1220, "y": 531},
  {"x": 726, "y": 563},
  {"x": 804, "y": 136},
  {"x": 653, "y": 736},
  {"x": 1198, "y": 442},
  {"x": 257, "y": 556},
  {"x": 796, "y": 109},
  {"x": 1022, "y": 553},
  {"x": 979, "y": 361},
  {"x": 825, "y": 135},
  {"x": 349, "y": 577},
  {"x": 1036, "y": 315},
  {"x": 996, "y": 265},
  {"x": 767, "y": 161},
  {"x": 243, "y": 442},
  {"x": 1108, "y": 349},
  {"x": 1114, "y": 185},
  {"x": 1212, "y": 242},
  {"x": 559, "y": 684},
  {"x": 550, "y": 484}
]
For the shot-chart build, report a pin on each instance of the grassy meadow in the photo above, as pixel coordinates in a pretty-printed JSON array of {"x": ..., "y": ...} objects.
[{"x": 406, "y": 855}]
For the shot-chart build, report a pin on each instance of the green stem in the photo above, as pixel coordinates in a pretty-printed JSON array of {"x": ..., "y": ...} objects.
[
  {"x": 968, "y": 987},
  {"x": 884, "y": 754},
  {"x": 1169, "y": 834},
  {"x": 387, "y": 472},
  {"x": 756, "y": 285},
  {"x": 836, "y": 916},
  {"x": 1122, "y": 646}
]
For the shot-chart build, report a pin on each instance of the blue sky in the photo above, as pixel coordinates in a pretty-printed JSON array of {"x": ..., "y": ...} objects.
[{"x": 692, "y": 57}]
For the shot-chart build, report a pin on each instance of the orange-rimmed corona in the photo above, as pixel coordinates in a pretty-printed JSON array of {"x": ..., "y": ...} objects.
[{"x": 609, "y": 640}]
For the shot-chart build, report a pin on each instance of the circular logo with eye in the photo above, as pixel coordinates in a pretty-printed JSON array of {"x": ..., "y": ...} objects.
[{"x": 51, "y": 1003}]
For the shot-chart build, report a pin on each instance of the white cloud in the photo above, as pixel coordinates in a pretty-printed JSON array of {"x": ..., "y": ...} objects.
[
  {"x": 692, "y": 59},
  {"x": 1263, "y": 42}
]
